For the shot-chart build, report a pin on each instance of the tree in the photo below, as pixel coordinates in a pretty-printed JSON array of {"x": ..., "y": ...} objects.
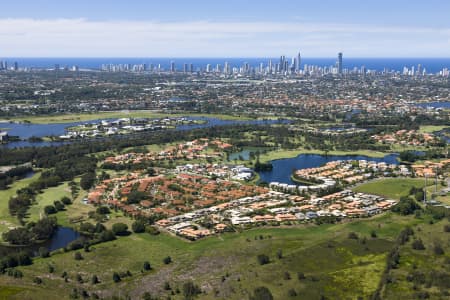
[
  {"x": 280, "y": 254},
  {"x": 147, "y": 266},
  {"x": 120, "y": 229},
  {"x": 107, "y": 235},
  {"x": 136, "y": 197},
  {"x": 437, "y": 249},
  {"x": 406, "y": 206},
  {"x": 287, "y": 276},
  {"x": 261, "y": 293},
  {"x": 66, "y": 200},
  {"x": 58, "y": 205},
  {"x": 44, "y": 228},
  {"x": 138, "y": 226},
  {"x": 418, "y": 245},
  {"x": 352, "y": 235},
  {"x": 43, "y": 252},
  {"x": 103, "y": 210},
  {"x": 87, "y": 181},
  {"x": 37, "y": 280},
  {"x": 116, "y": 277},
  {"x": 18, "y": 236},
  {"x": 301, "y": 275},
  {"x": 167, "y": 260},
  {"x": 50, "y": 209},
  {"x": 94, "y": 279},
  {"x": 78, "y": 256}
]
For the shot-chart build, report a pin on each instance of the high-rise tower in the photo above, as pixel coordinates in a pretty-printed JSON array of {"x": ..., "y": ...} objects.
[{"x": 339, "y": 63}]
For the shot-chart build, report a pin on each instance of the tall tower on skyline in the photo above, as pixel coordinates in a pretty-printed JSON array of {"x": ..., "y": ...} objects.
[
  {"x": 339, "y": 63},
  {"x": 299, "y": 62}
]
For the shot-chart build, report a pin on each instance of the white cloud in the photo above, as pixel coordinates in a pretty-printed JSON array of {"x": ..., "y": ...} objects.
[{"x": 81, "y": 38}]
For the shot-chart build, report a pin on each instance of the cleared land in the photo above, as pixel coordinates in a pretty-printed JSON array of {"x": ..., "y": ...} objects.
[{"x": 226, "y": 266}]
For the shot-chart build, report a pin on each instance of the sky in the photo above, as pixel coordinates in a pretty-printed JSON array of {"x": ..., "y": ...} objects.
[{"x": 231, "y": 28}]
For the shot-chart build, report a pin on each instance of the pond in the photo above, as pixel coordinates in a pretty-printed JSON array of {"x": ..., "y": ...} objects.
[
  {"x": 282, "y": 168},
  {"x": 60, "y": 239},
  {"x": 245, "y": 153}
]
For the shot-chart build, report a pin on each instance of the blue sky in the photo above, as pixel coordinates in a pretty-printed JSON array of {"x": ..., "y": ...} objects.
[{"x": 232, "y": 28}]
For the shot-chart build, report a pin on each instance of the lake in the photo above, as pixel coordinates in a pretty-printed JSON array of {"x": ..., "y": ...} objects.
[
  {"x": 445, "y": 104},
  {"x": 282, "y": 168},
  {"x": 27, "y": 130}
]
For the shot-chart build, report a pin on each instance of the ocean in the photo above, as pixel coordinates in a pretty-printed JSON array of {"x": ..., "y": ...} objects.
[{"x": 432, "y": 65}]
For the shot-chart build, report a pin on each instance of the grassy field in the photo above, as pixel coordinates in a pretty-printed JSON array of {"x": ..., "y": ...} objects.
[
  {"x": 393, "y": 188},
  {"x": 47, "y": 197},
  {"x": 6, "y": 220},
  {"x": 280, "y": 154},
  {"x": 225, "y": 266},
  {"x": 68, "y": 118},
  {"x": 434, "y": 269},
  {"x": 430, "y": 128}
]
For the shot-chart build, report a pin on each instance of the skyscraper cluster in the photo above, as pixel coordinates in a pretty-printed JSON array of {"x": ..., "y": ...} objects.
[{"x": 4, "y": 66}]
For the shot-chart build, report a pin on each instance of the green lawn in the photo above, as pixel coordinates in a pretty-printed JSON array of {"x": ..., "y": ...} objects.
[
  {"x": 48, "y": 196},
  {"x": 393, "y": 188},
  {"x": 6, "y": 220},
  {"x": 430, "y": 128},
  {"x": 280, "y": 154},
  {"x": 68, "y": 118}
]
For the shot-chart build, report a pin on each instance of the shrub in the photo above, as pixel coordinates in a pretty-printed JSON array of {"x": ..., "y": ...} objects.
[
  {"x": 301, "y": 275},
  {"x": 116, "y": 277},
  {"x": 352, "y": 235},
  {"x": 167, "y": 260},
  {"x": 37, "y": 280},
  {"x": 437, "y": 249},
  {"x": 292, "y": 293},
  {"x": 152, "y": 230},
  {"x": 261, "y": 293},
  {"x": 418, "y": 245},
  {"x": 287, "y": 276},
  {"x": 78, "y": 256},
  {"x": 147, "y": 266},
  {"x": 94, "y": 279},
  {"x": 43, "y": 252},
  {"x": 406, "y": 206},
  {"x": 263, "y": 259},
  {"x": 190, "y": 290}
]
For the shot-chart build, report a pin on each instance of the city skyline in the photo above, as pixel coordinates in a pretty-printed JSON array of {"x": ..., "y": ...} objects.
[{"x": 47, "y": 28}]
